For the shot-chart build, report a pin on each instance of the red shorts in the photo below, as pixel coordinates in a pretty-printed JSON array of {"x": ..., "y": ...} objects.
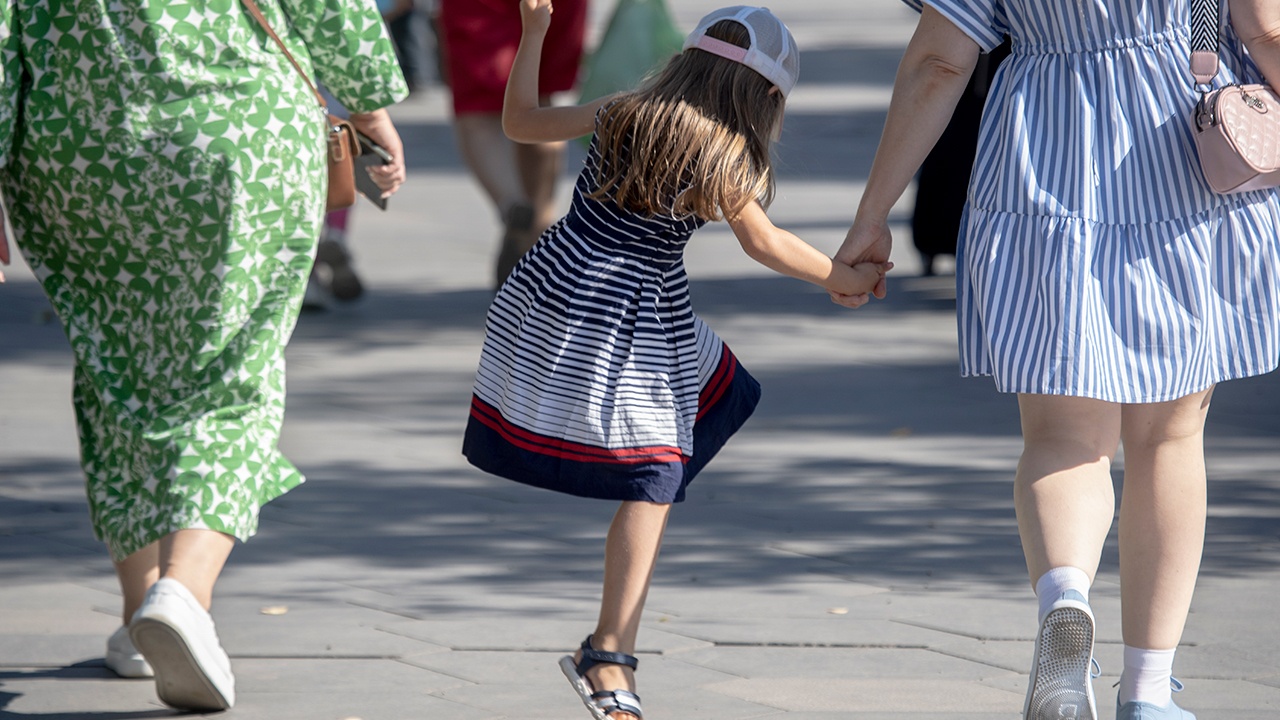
[{"x": 480, "y": 37}]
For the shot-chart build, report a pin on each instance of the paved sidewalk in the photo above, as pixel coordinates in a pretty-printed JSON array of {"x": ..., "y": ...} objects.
[{"x": 852, "y": 554}]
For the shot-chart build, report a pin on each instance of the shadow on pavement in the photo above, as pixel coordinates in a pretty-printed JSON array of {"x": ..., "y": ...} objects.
[{"x": 929, "y": 507}]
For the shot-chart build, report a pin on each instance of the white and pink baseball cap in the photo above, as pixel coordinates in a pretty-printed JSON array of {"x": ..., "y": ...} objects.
[{"x": 773, "y": 51}]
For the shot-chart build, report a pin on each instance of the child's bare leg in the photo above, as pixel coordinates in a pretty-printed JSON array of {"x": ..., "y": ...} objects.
[{"x": 631, "y": 552}]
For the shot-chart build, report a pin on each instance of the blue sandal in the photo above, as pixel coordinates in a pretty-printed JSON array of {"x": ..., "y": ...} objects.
[{"x": 603, "y": 703}]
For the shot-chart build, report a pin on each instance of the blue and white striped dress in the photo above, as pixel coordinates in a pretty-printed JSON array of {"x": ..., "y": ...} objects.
[
  {"x": 596, "y": 377},
  {"x": 1094, "y": 260}
]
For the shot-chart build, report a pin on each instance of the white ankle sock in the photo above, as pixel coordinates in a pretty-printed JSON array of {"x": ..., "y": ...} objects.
[
  {"x": 1052, "y": 584},
  {"x": 1146, "y": 676}
]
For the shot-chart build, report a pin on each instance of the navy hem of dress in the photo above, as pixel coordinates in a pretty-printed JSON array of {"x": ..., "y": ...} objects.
[{"x": 652, "y": 474}]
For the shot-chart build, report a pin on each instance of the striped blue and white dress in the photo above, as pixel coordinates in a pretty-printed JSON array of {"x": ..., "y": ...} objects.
[
  {"x": 1094, "y": 260},
  {"x": 596, "y": 378}
]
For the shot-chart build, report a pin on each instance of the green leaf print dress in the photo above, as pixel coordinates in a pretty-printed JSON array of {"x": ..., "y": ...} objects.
[{"x": 163, "y": 167}]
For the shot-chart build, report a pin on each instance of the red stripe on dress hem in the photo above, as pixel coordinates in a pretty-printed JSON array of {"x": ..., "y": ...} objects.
[
  {"x": 728, "y": 368},
  {"x": 555, "y": 447},
  {"x": 530, "y": 436},
  {"x": 717, "y": 377}
]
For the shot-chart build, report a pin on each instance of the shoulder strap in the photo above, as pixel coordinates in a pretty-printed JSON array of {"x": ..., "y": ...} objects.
[
  {"x": 1205, "y": 27},
  {"x": 256, "y": 12}
]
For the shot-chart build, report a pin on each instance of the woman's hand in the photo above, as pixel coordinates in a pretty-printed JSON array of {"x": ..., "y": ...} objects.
[
  {"x": 866, "y": 242},
  {"x": 378, "y": 127},
  {"x": 536, "y": 15}
]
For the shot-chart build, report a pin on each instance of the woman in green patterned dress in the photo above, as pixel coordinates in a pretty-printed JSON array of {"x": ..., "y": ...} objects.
[{"x": 165, "y": 176}]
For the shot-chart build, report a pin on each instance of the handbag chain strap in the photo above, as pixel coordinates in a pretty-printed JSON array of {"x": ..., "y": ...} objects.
[{"x": 256, "y": 12}]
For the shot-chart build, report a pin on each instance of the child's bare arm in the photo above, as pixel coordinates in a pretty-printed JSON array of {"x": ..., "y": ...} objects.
[
  {"x": 785, "y": 253},
  {"x": 524, "y": 120}
]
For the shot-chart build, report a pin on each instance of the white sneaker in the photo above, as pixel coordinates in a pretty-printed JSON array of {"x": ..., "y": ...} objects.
[
  {"x": 1061, "y": 686},
  {"x": 177, "y": 637},
  {"x": 124, "y": 659}
]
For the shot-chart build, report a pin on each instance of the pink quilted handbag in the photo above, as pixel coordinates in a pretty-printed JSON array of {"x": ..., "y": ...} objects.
[{"x": 1237, "y": 127}]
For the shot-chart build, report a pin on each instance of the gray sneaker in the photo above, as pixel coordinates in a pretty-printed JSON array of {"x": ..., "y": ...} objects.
[
  {"x": 1135, "y": 710},
  {"x": 1061, "y": 686},
  {"x": 1146, "y": 711}
]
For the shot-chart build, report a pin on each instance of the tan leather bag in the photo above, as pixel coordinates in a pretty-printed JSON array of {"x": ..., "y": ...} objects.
[
  {"x": 343, "y": 146},
  {"x": 1237, "y": 127}
]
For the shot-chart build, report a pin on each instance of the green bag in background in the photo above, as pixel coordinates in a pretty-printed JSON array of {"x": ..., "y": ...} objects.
[{"x": 640, "y": 37}]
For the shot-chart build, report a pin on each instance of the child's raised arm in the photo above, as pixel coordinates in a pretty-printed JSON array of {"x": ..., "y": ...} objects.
[
  {"x": 785, "y": 253},
  {"x": 524, "y": 120}
]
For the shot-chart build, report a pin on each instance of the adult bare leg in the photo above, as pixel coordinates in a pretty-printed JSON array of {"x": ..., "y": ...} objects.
[
  {"x": 195, "y": 558},
  {"x": 631, "y": 552},
  {"x": 490, "y": 156},
  {"x": 137, "y": 573},
  {"x": 1065, "y": 504},
  {"x": 1063, "y": 492},
  {"x": 1162, "y": 517}
]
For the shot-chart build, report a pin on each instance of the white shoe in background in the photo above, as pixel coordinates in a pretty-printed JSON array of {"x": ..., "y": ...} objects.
[{"x": 123, "y": 658}]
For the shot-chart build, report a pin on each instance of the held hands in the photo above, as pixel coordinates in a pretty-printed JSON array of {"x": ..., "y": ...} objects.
[
  {"x": 377, "y": 125},
  {"x": 536, "y": 15},
  {"x": 866, "y": 242}
]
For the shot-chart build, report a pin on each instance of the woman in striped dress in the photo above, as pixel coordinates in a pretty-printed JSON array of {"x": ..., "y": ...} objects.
[
  {"x": 596, "y": 378},
  {"x": 1104, "y": 282}
]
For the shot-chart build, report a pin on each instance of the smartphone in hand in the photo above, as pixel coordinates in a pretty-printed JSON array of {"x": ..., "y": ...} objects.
[{"x": 371, "y": 155}]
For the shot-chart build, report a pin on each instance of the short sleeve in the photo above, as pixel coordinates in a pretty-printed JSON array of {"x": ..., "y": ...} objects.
[
  {"x": 350, "y": 50},
  {"x": 979, "y": 19}
]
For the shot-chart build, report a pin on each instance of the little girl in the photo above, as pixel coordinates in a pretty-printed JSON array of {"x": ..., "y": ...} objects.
[{"x": 597, "y": 379}]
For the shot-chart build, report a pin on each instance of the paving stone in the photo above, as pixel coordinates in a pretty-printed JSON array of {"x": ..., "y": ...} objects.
[
  {"x": 829, "y": 631},
  {"x": 354, "y": 704},
  {"x": 316, "y": 632},
  {"x": 369, "y": 676},
  {"x": 869, "y": 695},
  {"x": 558, "y": 636},
  {"x": 834, "y": 663},
  {"x": 53, "y": 649},
  {"x": 81, "y": 691}
]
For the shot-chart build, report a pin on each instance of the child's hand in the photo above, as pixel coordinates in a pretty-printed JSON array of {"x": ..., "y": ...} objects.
[
  {"x": 867, "y": 240},
  {"x": 536, "y": 15},
  {"x": 862, "y": 280}
]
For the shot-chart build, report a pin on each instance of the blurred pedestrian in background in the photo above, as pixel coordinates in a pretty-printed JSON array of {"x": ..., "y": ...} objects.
[
  {"x": 479, "y": 40},
  {"x": 402, "y": 18}
]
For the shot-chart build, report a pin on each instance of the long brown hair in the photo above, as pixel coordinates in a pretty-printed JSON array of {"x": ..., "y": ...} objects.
[{"x": 699, "y": 134}]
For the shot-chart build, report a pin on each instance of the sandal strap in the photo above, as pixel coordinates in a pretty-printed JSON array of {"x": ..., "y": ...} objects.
[
  {"x": 592, "y": 657},
  {"x": 611, "y": 701}
]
